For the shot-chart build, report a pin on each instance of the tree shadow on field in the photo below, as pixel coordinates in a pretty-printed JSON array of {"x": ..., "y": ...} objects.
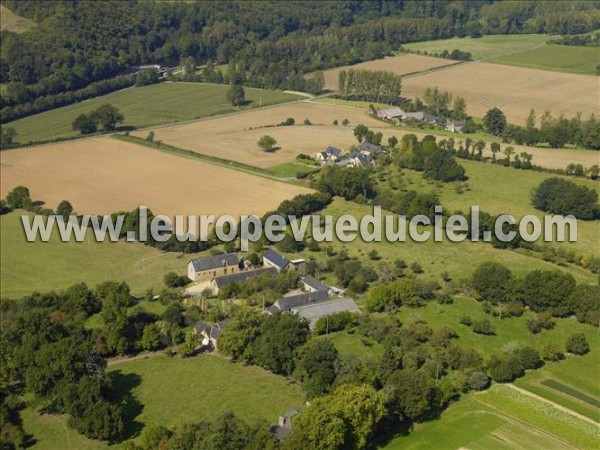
[
  {"x": 124, "y": 384},
  {"x": 125, "y": 128},
  {"x": 37, "y": 203}
]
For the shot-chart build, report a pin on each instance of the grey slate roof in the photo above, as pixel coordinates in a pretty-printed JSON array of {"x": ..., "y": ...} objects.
[
  {"x": 314, "y": 312},
  {"x": 315, "y": 284},
  {"x": 391, "y": 112},
  {"x": 294, "y": 301},
  {"x": 215, "y": 261},
  {"x": 330, "y": 150},
  {"x": 212, "y": 331},
  {"x": 242, "y": 276},
  {"x": 275, "y": 258},
  {"x": 369, "y": 147},
  {"x": 362, "y": 158}
]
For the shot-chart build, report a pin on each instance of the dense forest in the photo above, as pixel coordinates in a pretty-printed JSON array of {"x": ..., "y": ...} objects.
[{"x": 272, "y": 44}]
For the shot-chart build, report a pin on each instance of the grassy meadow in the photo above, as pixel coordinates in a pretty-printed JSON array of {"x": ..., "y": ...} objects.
[
  {"x": 472, "y": 424},
  {"x": 484, "y": 47},
  {"x": 44, "y": 266},
  {"x": 558, "y": 58},
  {"x": 145, "y": 106},
  {"x": 173, "y": 391},
  {"x": 499, "y": 190}
]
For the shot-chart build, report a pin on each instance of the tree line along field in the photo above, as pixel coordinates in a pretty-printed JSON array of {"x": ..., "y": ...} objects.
[
  {"x": 105, "y": 175},
  {"x": 145, "y": 106},
  {"x": 515, "y": 90},
  {"x": 485, "y": 47},
  {"x": 402, "y": 64}
]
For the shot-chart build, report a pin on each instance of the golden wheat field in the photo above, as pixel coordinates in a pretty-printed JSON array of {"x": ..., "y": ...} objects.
[
  {"x": 235, "y": 136},
  {"x": 401, "y": 65},
  {"x": 103, "y": 175},
  {"x": 515, "y": 90}
]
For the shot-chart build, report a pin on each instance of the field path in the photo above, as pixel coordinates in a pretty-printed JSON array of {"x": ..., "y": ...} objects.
[{"x": 554, "y": 405}]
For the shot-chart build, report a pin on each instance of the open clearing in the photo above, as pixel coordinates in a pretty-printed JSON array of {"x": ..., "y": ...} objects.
[
  {"x": 483, "y": 47},
  {"x": 514, "y": 90},
  {"x": 402, "y": 64},
  {"x": 559, "y": 58},
  {"x": 231, "y": 137},
  {"x": 176, "y": 391},
  {"x": 145, "y": 106},
  {"x": 102, "y": 175},
  {"x": 55, "y": 265},
  {"x": 470, "y": 424},
  {"x": 11, "y": 22}
]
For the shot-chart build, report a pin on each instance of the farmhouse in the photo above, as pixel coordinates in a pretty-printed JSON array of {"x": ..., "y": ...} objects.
[
  {"x": 205, "y": 269},
  {"x": 210, "y": 333},
  {"x": 329, "y": 155},
  {"x": 390, "y": 114},
  {"x": 273, "y": 259},
  {"x": 314, "y": 312},
  {"x": 455, "y": 126},
  {"x": 219, "y": 283},
  {"x": 424, "y": 117},
  {"x": 311, "y": 284},
  {"x": 371, "y": 149},
  {"x": 360, "y": 159},
  {"x": 285, "y": 304}
]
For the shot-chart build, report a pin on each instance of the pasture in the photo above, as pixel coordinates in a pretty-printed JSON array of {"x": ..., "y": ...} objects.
[
  {"x": 235, "y": 137},
  {"x": 471, "y": 424},
  {"x": 178, "y": 391},
  {"x": 10, "y": 21},
  {"x": 515, "y": 90},
  {"x": 459, "y": 260},
  {"x": 173, "y": 392},
  {"x": 401, "y": 64},
  {"x": 145, "y": 106},
  {"x": 498, "y": 190},
  {"x": 559, "y": 58},
  {"x": 105, "y": 175},
  {"x": 484, "y": 47},
  {"x": 55, "y": 265}
]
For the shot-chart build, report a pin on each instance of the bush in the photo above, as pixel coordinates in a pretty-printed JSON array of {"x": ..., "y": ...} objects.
[
  {"x": 172, "y": 280},
  {"x": 565, "y": 197},
  {"x": 577, "y": 344},
  {"x": 466, "y": 320},
  {"x": 335, "y": 322},
  {"x": 530, "y": 357},
  {"x": 483, "y": 327},
  {"x": 552, "y": 352},
  {"x": 505, "y": 368},
  {"x": 478, "y": 381}
]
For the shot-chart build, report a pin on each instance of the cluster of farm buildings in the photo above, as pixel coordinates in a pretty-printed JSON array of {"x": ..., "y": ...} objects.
[
  {"x": 313, "y": 301},
  {"x": 397, "y": 116},
  {"x": 365, "y": 155}
]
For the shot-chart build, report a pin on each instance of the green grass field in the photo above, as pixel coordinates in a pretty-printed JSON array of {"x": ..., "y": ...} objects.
[
  {"x": 289, "y": 170},
  {"x": 559, "y": 58},
  {"x": 470, "y": 424},
  {"x": 145, "y": 106},
  {"x": 499, "y": 190},
  {"x": 173, "y": 391},
  {"x": 484, "y": 47},
  {"x": 28, "y": 267}
]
